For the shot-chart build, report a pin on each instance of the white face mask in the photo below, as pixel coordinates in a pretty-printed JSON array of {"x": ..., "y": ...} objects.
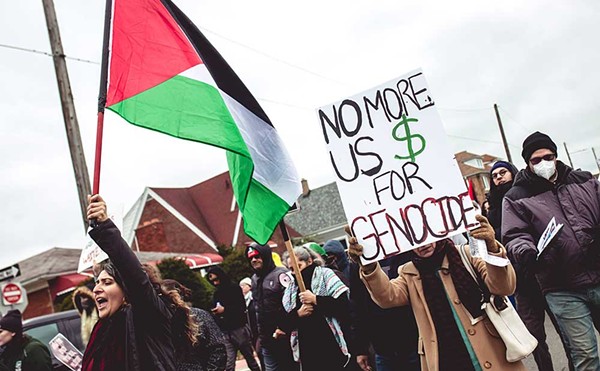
[{"x": 545, "y": 169}]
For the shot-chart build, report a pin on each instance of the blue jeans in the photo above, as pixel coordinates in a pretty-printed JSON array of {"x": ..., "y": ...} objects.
[
  {"x": 397, "y": 363},
  {"x": 278, "y": 357},
  {"x": 574, "y": 314}
]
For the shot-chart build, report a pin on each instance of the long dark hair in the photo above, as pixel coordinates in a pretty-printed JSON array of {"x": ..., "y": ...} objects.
[{"x": 184, "y": 328}]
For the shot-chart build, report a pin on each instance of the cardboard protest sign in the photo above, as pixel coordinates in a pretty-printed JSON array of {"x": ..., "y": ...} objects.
[
  {"x": 399, "y": 183},
  {"x": 66, "y": 352},
  {"x": 92, "y": 253}
]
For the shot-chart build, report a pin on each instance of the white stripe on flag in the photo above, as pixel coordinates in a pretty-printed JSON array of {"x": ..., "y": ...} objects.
[{"x": 273, "y": 166}]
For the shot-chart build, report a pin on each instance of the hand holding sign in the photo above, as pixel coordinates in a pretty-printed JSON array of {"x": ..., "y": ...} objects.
[
  {"x": 485, "y": 232},
  {"x": 355, "y": 252}
]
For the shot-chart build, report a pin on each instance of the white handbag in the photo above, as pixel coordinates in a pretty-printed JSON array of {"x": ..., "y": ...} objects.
[{"x": 518, "y": 340}]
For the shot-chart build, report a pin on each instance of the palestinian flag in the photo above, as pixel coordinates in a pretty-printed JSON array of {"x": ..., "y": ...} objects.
[{"x": 164, "y": 75}]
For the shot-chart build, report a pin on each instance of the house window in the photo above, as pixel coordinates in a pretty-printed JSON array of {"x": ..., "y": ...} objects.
[
  {"x": 486, "y": 183},
  {"x": 475, "y": 162}
]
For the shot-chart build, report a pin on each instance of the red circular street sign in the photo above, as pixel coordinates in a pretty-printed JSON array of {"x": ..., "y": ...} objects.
[{"x": 11, "y": 293}]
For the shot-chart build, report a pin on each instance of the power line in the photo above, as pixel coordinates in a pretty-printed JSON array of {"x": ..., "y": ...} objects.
[
  {"x": 515, "y": 121},
  {"x": 274, "y": 58},
  {"x": 479, "y": 140},
  {"x": 45, "y": 53}
]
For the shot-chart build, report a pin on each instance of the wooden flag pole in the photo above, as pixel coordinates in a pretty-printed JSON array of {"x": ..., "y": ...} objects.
[
  {"x": 290, "y": 250},
  {"x": 102, "y": 96}
]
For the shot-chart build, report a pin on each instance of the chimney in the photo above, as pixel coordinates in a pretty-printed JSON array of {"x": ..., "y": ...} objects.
[{"x": 305, "y": 189}]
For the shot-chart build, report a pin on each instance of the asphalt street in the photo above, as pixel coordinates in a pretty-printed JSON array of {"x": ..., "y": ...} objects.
[{"x": 559, "y": 359}]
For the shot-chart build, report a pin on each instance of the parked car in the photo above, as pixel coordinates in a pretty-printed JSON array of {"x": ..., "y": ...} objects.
[{"x": 44, "y": 328}]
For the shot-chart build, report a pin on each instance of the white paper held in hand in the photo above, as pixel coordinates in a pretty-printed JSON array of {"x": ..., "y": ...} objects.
[
  {"x": 549, "y": 233},
  {"x": 478, "y": 248}
]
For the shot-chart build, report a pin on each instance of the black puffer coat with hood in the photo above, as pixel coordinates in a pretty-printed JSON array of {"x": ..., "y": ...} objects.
[
  {"x": 267, "y": 291},
  {"x": 572, "y": 260}
]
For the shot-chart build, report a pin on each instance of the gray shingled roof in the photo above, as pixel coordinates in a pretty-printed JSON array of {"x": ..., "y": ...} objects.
[
  {"x": 49, "y": 264},
  {"x": 58, "y": 261},
  {"x": 322, "y": 209}
]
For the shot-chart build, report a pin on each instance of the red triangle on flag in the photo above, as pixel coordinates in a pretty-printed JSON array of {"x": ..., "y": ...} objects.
[{"x": 148, "y": 48}]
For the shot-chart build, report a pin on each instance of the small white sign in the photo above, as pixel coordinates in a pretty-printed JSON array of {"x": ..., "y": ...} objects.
[
  {"x": 399, "y": 183},
  {"x": 66, "y": 352},
  {"x": 92, "y": 253}
]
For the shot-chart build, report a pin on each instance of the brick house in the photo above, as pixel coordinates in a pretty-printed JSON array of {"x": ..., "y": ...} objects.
[
  {"x": 190, "y": 220},
  {"x": 476, "y": 168}
]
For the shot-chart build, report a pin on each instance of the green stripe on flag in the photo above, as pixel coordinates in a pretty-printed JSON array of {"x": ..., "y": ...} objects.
[
  {"x": 186, "y": 109},
  {"x": 193, "y": 110},
  {"x": 266, "y": 209}
]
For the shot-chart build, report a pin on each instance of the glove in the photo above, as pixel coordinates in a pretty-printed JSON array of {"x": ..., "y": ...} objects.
[
  {"x": 355, "y": 251},
  {"x": 528, "y": 258},
  {"x": 485, "y": 232}
]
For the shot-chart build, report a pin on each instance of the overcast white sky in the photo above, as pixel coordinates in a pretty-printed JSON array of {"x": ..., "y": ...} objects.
[{"x": 537, "y": 60}]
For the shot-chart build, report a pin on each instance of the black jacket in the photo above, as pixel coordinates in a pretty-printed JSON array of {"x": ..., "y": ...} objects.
[
  {"x": 495, "y": 198},
  {"x": 267, "y": 292},
  {"x": 374, "y": 325},
  {"x": 230, "y": 296},
  {"x": 148, "y": 317},
  {"x": 572, "y": 260}
]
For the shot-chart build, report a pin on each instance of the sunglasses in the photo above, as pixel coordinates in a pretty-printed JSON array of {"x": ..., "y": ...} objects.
[
  {"x": 499, "y": 174},
  {"x": 537, "y": 160}
]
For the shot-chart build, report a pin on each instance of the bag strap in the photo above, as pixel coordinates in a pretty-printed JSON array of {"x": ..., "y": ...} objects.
[
  {"x": 467, "y": 262},
  {"x": 486, "y": 295}
]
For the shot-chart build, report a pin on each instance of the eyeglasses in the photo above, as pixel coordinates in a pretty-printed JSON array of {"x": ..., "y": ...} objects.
[
  {"x": 537, "y": 160},
  {"x": 499, "y": 174}
]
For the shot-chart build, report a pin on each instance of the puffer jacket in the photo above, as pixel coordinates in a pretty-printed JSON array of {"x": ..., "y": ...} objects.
[
  {"x": 267, "y": 291},
  {"x": 572, "y": 259},
  {"x": 148, "y": 317}
]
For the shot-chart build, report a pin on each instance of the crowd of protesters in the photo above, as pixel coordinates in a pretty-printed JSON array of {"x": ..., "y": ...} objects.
[{"x": 417, "y": 310}]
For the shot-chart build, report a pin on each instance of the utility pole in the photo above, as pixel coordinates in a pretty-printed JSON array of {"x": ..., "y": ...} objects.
[
  {"x": 508, "y": 156},
  {"x": 68, "y": 108},
  {"x": 596, "y": 159},
  {"x": 568, "y": 155}
]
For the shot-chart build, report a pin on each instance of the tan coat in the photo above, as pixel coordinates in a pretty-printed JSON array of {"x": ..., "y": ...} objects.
[{"x": 407, "y": 289}]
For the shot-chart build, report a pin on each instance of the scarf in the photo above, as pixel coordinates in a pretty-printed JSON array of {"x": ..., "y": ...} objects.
[
  {"x": 106, "y": 348},
  {"x": 322, "y": 282},
  {"x": 453, "y": 354}
]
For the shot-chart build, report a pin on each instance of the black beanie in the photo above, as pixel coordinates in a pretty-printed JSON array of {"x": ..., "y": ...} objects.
[
  {"x": 534, "y": 142},
  {"x": 12, "y": 321}
]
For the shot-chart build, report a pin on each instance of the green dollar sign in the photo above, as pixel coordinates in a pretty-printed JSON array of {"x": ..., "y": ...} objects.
[{"x": 408, "y": 137}]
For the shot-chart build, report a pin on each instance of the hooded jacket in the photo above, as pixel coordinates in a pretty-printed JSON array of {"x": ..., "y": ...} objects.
[
  {"x": 495, "y": 198},
  {"x": 89, "y": 315},
  {"x": 267, "y": 291},
  {"x": 230, "y": 296},
  {"x": 27, "y": 354},
  {"x": 571, "y": 260}
]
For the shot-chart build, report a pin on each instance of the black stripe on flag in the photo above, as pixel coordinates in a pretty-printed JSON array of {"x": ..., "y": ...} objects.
[{"x": 224, "y": 76}]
